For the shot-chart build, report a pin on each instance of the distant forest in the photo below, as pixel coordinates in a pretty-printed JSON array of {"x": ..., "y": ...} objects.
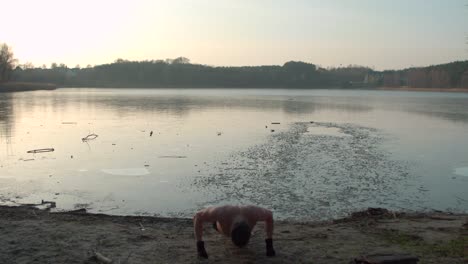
[
  {"x": 450, "y": 75},
  {"x": 180, "y": 72}
]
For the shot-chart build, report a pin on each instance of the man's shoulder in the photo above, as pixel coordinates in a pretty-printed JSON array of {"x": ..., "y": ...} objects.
[
  {"x": 256, "y": 213},
  {"x": 227, "y": 207},
  {"x": 230, "y": 208}
]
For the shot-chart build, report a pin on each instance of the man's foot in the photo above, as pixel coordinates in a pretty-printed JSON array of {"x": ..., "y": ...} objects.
[
  {"x": 201, "y": 249},
  {"x": 270, "y": 252}
]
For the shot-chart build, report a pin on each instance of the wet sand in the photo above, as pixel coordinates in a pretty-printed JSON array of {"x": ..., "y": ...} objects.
[{"x": 29, "y": 235}]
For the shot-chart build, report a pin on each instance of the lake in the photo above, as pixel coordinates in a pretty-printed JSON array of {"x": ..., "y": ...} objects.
[{"x": 306, "y": 154}]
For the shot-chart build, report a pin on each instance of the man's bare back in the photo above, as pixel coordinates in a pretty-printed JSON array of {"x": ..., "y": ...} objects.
[{"x": 236, "y": 222}]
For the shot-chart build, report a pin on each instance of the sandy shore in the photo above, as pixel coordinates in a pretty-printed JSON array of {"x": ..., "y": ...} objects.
[
  {"x": 452, "y": 90},
  {"x": 29, "y": 235}
]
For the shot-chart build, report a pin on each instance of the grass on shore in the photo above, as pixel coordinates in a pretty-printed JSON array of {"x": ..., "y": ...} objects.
[{"x": 454, "y": 248}]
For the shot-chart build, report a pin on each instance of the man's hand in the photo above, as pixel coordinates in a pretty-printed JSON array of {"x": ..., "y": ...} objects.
[
  {"x": 201, "y": 249},
  {"x": 270, "y": 252}
]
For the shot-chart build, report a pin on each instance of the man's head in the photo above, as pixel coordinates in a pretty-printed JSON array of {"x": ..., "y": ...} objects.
[{"x": 240, "y": 234}]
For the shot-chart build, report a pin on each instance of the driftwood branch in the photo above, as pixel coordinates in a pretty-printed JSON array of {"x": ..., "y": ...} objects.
[
  {"x": 89, "y": 137},
  {"x": 101, "y": 258},
  {"x": 51, "y": 203},
  {"x": 41, "y": 150}
]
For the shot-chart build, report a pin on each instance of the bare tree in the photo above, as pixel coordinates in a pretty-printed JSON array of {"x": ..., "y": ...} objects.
[
  {"x": 181, "y": 60},
  {"x": 27, "y": 66},
  {"x": 7, "y": 62}
]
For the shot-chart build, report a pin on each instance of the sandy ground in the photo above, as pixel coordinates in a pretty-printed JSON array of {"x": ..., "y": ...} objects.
[{"x": 29, "y": 235}]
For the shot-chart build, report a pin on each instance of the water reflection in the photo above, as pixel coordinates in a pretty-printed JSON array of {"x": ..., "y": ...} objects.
[
  {"x": 6, "y": 120},
  {"x": 439, "y": 106},
  {"x": 93, "y": 105},
  {"x": 182, "y": 104}
]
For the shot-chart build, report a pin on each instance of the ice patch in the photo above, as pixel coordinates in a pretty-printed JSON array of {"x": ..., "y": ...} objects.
[
  {"x": 127, "y": 171},
  {"x": 344, "y": 169},
  {"x": 463, "y": 171},
  {"x": 325, "y": 131}
]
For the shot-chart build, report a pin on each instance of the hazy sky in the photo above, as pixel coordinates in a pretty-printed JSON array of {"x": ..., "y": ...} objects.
[{"x": 385, "y": 34}]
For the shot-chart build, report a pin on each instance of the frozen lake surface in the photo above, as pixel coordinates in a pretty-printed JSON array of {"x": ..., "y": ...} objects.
[{"x": 306, "y": 154}]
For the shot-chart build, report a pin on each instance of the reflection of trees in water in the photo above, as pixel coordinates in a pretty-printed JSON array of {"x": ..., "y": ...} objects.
[
  {"x": 452, "y": 109},
  {"x": 172, "y": 105},
  {"x": 182, "y": 105},
  {"x": 6, "y": 112},
  {"x": 131, "y": 103},
  {"x": 6, "y": 118},
  {"x": 446, "y": 115},
  {"x": 302, "y": 107}
]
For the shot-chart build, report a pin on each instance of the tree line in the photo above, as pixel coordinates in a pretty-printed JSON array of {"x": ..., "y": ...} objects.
[
  {"x": 450, "y": 75},
  {"x": 180, "y": 72}
]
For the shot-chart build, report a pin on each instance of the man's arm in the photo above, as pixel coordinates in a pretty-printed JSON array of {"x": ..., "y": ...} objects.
[
  {"x": 208, "y": 214},
  {"x": 267, "y": 216},
  {"x": 264, "y": 215},
  {"x": 205, "y": 215},
  {"x": 198, "y": 225},
  {"x": 269, "y": 224},
  {"x": 270, "y": 252}
]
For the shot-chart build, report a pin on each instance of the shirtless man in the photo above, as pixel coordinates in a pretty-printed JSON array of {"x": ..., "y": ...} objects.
[{"x": 236, "y": 222}]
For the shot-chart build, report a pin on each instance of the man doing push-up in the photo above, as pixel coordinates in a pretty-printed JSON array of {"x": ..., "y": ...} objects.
[{"x": 236, "y": 222}]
